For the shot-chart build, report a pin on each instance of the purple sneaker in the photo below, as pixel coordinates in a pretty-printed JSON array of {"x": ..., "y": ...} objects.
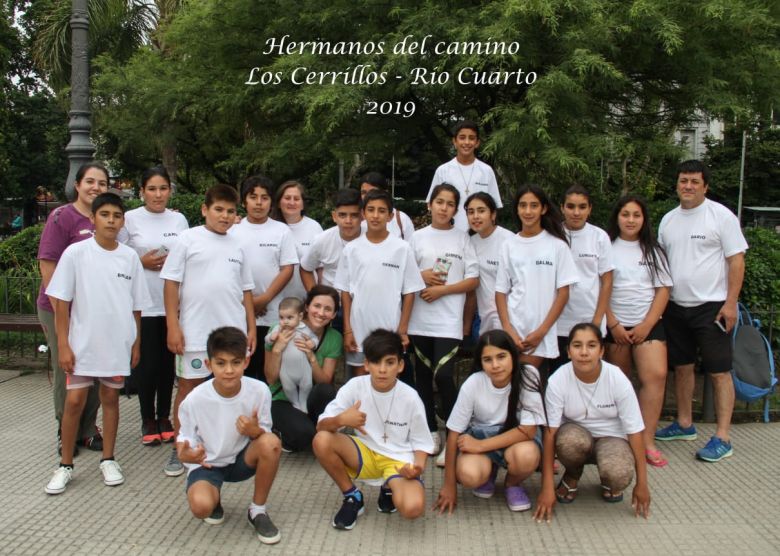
[
  {"x": 487, "y": 489},
  {"x": 517, "y": 499}
]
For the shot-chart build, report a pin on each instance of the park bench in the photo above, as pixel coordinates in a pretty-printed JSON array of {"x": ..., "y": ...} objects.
[{"x": 19, "y": 323}]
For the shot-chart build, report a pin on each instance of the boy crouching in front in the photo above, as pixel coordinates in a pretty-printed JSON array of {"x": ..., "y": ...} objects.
[
  {"x": 225, "y": 435},
  {"x": 391, "y": 441}
]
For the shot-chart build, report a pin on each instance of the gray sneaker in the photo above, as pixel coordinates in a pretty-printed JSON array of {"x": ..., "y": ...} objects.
[
  {"x": 265, "y": 528},
  {"x": 174, "y": 467}
]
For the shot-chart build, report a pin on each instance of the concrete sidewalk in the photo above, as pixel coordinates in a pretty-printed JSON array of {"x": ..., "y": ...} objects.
[{"x": 697, "y": 508}]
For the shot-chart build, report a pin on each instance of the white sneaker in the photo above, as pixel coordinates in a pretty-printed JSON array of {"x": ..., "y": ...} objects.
[
  {"x": 440, "y": 458},
  {"x": 59, "y": 481},
  {"x": 436, "y": 442},
  {"x": 112, "y": 473}
]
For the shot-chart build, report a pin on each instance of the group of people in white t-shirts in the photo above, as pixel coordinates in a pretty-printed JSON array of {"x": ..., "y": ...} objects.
[{"x": 565, "y": 311}]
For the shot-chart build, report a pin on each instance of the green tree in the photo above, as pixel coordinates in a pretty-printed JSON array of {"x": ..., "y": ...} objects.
[
  {"x": 614, "y": 80},
  {"x": 32, "y": 123}
]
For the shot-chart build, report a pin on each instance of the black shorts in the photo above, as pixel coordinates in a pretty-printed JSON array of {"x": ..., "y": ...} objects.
[
  {"x": 234, "y": 473},
  {"x": 656, "y": 333},
  {"x": 692, "y": 329}
]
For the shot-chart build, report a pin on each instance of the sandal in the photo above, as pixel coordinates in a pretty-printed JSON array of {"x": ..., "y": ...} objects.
[
  {"x": 656, "y": 458},
  {"x": 569, "y": 496},
  {"x": 608, "y": 496}
]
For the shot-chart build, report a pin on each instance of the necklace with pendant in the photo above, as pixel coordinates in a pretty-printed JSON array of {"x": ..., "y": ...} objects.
[
  {"x": 463, "y": 177},
  {"x": 387, "y": 416},
  {"x": 589, "y": 403}
]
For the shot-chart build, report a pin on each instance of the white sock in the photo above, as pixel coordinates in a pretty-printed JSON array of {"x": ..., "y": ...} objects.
[{"x": 255, "y": 509}]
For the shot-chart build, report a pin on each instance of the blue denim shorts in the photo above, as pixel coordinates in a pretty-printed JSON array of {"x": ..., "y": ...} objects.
[
  {"x": 497, "y": 456},
  {"x": 234, "y": 473}
]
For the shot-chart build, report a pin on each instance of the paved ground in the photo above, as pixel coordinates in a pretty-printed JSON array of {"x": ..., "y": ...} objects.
[{"x": 698, "y": 508}]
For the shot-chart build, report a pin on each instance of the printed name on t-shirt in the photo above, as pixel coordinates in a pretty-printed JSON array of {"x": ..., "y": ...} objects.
[
  {"x": 392, "y": 265},
  {"x": 481, "y": 184},
  {"x": 396, "y": 423},
  {"x": 232, "y": 260},
  {"x": 698, "y": 236},
  {"x": 125, "y": 276},
  {"x": 589, "y": 255},
  {"x": 605, "y": 405},
  {"x": 306, "y": 243},
  {"x": 274, "y": 245},
  {"x": 454, "y": 256},
  {"x": 491, "y": 262},
  {"x": 544, "y": 262},
  {"x": 170, "y": 234}
]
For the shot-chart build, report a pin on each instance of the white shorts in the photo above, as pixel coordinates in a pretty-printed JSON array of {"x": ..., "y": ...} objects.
[
  {"x": 355, "y": 358},
  {"x": 192, "y": 365},
  {"x": 74, "y": 382}
]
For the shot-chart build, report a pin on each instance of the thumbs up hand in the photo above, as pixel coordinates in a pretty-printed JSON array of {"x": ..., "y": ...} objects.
[
  {"x": 249, "y": 425},
  {"x": 354, "y": 418}
]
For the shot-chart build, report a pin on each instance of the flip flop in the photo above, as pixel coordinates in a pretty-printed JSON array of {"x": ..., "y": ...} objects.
[
  {"x": 571, "y": 493},
  {"x": 607, "y": 496},
  {"x": 656, "y": 458}
]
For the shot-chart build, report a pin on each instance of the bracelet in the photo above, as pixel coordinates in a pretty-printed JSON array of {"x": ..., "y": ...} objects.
[
  {"x": 347, "y": 332},
  {"x": 613, "y": 326}
]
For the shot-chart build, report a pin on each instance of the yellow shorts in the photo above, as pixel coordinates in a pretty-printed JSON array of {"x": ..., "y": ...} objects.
[{"x": 372, "y": 465}]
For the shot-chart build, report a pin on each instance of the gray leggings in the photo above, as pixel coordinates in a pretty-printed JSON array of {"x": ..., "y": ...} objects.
[
  {"x": 89, "y": 415},
  {"x": 576, "y": 447}
]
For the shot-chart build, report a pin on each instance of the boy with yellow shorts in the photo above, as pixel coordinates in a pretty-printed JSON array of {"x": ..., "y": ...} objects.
[{"x": 391, "y": 441}]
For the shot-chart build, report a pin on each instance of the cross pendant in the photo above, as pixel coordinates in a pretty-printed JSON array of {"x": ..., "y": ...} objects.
[
  {"x": 467, "y": 190},
  {"x": 384, "y": 438}
]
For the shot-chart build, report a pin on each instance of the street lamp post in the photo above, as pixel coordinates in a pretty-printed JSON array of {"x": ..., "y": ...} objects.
[{"x": 80, "y": 148}]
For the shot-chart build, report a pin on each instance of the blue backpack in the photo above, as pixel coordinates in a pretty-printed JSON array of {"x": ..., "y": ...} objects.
[{"x": 753, "y": 368}]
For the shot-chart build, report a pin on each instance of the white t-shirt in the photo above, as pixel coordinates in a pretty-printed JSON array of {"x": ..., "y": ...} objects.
[
  {"x": 399, "y": 413},
  {"x": 633, "y": 286},
  {"x": 592, "y": 253},
  {"x": 303, "y": 233},
  {"x": 213, "y": 273},
  {"x": 295, "y": 369},
  {"x": 376, "y": 275},
  {"x": 268, "y": 247},
  {"x": 209, "y": 420},
  {"x": 325, "y": 252},
  {"x": 480, "y": 404},
  {"x": 467, "y": 179},
  {"x": 698, "y": 241},
  {"x": 407, "y": 226},
  {"x": 612, "y": 406},
  {"x": 442, "y": 318},
  {"x": 487, "y": 251},
  {"x": 145, "y": 231},
  {"x": 105, "y": 287},
  {"x": 530, "y": 272}
]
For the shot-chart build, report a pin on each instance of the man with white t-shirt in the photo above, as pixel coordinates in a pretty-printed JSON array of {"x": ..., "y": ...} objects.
[
  {"x": 466, "y": 172},
  {"x": 706, "y": 251}
]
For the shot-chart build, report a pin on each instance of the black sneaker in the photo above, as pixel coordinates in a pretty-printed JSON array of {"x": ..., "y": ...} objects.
[
  {"x": 94, "y": 442},
  {"x": 217, "y": 516},
  {"x": 59, "y": 446},
  {"x": 351, "y": 508},
  {"x": 265, "y": 528},
  {"x": 385, "y": 501}
]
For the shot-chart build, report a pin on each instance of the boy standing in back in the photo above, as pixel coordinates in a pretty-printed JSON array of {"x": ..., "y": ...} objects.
[{"x": 467, "y": 173}]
